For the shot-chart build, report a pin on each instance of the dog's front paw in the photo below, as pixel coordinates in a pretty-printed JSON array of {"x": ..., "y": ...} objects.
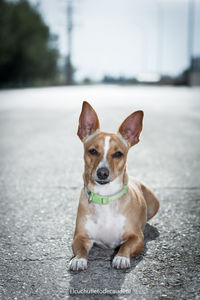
[
  {"x": 78, "y": 264},
  {"x": 121, "y": 262}
]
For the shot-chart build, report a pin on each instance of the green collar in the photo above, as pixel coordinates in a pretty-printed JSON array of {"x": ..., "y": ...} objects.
[{"x": 100, "y": 199}]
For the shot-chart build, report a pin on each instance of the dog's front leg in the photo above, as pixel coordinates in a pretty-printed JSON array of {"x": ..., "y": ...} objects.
[
  {"x": 134, "y": 245},
  {"x": 81, "y": 246}
]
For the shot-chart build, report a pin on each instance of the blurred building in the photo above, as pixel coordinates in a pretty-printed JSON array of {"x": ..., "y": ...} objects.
[{"x": 194, "y": 72}]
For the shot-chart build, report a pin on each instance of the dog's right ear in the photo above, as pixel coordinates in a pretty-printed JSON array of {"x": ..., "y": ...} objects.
[
  {"x": 131, "y": 128},
  {"x": 88, "y": 121}
]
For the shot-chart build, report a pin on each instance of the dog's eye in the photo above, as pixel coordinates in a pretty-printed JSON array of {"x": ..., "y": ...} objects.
[
  {"x": 117, "y": 154},
  {"x": 94, "y": 152}
]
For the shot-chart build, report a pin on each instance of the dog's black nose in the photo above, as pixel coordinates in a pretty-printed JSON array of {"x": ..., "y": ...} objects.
[{"x": 102, "y": 173}]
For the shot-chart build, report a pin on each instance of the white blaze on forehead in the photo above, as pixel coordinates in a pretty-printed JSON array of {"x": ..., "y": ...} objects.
[
  {"x": 104, "y": 163},
  {"x": 106, "y": 146}
]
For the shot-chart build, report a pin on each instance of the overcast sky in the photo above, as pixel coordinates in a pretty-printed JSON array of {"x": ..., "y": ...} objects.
[{"x": 125, "y": 37}]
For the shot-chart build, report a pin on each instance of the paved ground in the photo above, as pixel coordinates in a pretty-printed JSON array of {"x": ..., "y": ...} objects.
[{"x": 40, "y": 178}]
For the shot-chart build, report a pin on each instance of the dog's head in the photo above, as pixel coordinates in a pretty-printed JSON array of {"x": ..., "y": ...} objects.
[{"x": 105, "y": 154}]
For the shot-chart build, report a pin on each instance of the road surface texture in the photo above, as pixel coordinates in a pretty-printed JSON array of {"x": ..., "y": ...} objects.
[{"x": 41, "y": 169}]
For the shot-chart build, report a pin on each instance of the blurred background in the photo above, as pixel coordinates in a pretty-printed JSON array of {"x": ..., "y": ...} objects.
[{"x": 68, "y": 42}]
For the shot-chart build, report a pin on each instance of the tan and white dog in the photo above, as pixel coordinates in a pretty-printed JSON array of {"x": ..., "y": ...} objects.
[{"x": 113, "y": 208}]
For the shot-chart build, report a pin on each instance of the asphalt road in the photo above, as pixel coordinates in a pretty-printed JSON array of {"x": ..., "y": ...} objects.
[{"x": 41, "y": 175}]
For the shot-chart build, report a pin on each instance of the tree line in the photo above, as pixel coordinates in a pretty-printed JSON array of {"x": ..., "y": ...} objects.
[{"x": 28, "y": 55}]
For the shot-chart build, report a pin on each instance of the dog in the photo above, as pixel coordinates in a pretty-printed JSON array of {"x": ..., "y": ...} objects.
[{"x": 113, "y": 207}]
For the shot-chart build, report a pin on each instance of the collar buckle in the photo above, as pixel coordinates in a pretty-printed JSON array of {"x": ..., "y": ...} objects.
[{"x": 89, "y": 196}]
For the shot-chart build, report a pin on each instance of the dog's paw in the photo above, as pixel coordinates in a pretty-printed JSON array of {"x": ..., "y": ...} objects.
[
  {"x": 78, "y": 264},
  {"x": 121, "y": 262}
]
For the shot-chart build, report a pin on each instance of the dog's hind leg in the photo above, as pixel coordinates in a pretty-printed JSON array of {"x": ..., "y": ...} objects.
[{"x": 151, "y": 201}]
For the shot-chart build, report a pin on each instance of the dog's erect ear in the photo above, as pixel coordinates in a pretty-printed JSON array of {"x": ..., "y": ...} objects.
[
  {"x": 131, "y": 127},
  {"x": 88, "y": 121}
]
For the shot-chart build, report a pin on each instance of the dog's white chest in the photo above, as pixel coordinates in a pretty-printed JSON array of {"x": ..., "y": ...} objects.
[{"x": 106, "y": 226}]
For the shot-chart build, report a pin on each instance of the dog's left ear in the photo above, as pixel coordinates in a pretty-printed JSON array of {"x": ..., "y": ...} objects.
[
  {"x": 88, "y": 121},
  {"x": 131, "y": 127}
]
